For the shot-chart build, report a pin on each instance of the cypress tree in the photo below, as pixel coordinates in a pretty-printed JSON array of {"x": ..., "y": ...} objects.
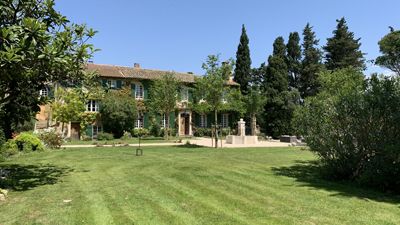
[
  {"x": 293, "y": 60},
  {"x": 275, "y": 85},
  {"x": 310, "y": 65},
  {"x": 243, "y": 63},
  {"x": 343, "y": 50}
]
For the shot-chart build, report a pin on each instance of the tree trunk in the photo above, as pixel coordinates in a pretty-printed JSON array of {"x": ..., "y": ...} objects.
[
  {"x": 7, "y": 128},
  {"x": 166, "y": 128},
  {"x": 216, "y": 129},
  {"x": 253, "y": 125}
]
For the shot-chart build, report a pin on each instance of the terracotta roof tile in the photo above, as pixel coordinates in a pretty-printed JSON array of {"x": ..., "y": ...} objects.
[{"x": 113, "y": 71}]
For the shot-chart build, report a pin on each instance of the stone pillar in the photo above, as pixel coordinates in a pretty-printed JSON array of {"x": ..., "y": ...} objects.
[{"x": 241, "y": 128}]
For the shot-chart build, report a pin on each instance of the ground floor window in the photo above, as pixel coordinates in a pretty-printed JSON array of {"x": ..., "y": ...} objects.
[
  {"x": 139, "y": 121},
  {"x": 96, "y": 130},
  {"x": 225, "y": 120},
  {"x": 203, "y": 120},
  {"x": 164, "y": 121}
]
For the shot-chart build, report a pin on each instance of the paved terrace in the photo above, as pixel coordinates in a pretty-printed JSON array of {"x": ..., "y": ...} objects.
[{"x": 206, "y": 142}]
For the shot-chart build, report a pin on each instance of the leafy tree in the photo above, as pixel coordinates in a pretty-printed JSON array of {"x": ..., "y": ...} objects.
[
  {"x": 343, "y": 50},
  {"x": 37, "y": 46},
  {"x": 212, "y": 92},
  {"x": 118, "y": 112},
  {"x": 67, "y": 106},
  {"x": 293, "y": 60},
  {"x": 352, "y": 126},
  {"x": 389, "y": 46},
  {"x": 310, "y": 65},
  {"x": 243, "y": 63},
  {"x": 163, "y": 97},
  {"x": 255, "y": 102}
]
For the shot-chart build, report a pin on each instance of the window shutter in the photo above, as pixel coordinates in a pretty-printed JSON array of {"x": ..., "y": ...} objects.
[
  {"x": 133, "y": 89},
  {"x": 119, "y": 84},
  {"x": 89, "y": 131}
]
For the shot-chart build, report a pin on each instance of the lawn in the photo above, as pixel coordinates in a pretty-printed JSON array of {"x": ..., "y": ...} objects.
[{"x": 178, "y": 185}]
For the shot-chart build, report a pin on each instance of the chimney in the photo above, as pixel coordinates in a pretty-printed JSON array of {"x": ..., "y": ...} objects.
[{"x": 136, "y": 65}]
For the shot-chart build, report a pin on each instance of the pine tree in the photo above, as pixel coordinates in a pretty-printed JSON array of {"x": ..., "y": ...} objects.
[
  {"x": 243, "y": 63},
  {"x": 310, "y": 65},
  {"x": 293, "y": 60},
  {"x": 343, "y": 50}
]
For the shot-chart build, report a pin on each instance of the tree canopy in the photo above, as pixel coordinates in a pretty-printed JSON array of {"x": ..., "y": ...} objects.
[
  {"x": 163, "y": 97},
  {"x": 38, "y": 46},
  {"x": 243, "y": 63},
  {"x": 343, "y": 50},
  {"x": 389, "y": 46}
]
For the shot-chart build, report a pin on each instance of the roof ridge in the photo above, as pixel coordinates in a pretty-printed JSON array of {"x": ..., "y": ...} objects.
[{"x": 155, "y": 70}]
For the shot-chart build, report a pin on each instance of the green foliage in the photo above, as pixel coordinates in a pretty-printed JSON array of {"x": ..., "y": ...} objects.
[
  {"x": 202, "y": 132},
  {"x": 68, "y": 105},
  {"x": 342, "y": 50},
  {"x": 118, "y": 111},
  {"x": 103, "y": 136},
  {"x": 155, "y": 128},
  {"x": 163, "y": 96},
  {"x": 37, "y": 46},
  {"x": 140, "y": 132},
  {"x": 353, "y": 127},
  {"x": 255, "y": 102},
  {"x": 389, "y": 46},
  {"x": 8, "y": 149},
  {"x": 28, "y": 142},
  {"x": 310, "y": 65},
  {"x": 280, "y": 101},
  {"x": 51, "y": 139},
  {"x": 243, "y": 62},
  {"x": 212, "y": 94},
  {"x": 293, "y": 60}
]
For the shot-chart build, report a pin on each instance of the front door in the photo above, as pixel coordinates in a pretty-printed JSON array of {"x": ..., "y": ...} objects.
[{"x": 184, "y": 124}]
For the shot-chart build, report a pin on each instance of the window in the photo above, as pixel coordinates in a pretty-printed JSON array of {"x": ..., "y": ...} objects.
[
  {"x": 44, "y": 92},
  {"x": 95, "y": 130},
  {"x": 203, "y": 120},
  {"x": 92, "y": 106},
  {"x": 225, "y": 120},
  {"x": 112, "y": 83},
  {"x": 139, "y": 91},
  {"x": 185, "y": 94},
  {"x": 139, "y": 121},
  {"x": 224, "y": 97},
  {"x": 164, "y": 121}
]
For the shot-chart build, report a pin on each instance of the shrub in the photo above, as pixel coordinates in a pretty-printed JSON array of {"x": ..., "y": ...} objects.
[
  {"x": 28, "y": 142},
  {"x": 103, "y": 136},
  {"x": 51, "y": 139},
  {"x": 352, "y": 125},
  {"x": 156, "y": 130},
  {"x": 8, "y": 149},
  {"x": 142, "y": 132},
  {"x": 127, "y": 135},
  {"x": 202, "y": 132}
]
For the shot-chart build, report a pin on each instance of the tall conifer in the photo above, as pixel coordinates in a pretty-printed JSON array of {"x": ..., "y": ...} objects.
[{"x": 243, "y": 63}]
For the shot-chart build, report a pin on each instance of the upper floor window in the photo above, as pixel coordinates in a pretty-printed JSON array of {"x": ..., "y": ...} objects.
[
  {"x": 44, "y": 92},
  {"x": 139, "y": 121},
  {"x": 112, "y": 83},
  {"x": 92, "y": 106},
  {"x": 203, "y": 120},
  {"x": 139, "y": 91},
  {"x": 225, "y": 120},
  {"x": 223, "y": 98},
  {"x": 185, "y": 94}
]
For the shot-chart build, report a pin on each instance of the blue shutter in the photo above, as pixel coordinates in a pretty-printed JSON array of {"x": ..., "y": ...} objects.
[
  {"x": 119, "y": 84},
  {"x": 133, "y": 89}
]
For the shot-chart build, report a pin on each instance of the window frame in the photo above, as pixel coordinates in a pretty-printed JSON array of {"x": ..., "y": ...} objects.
[
  {"x": 139, "y": 95},
  {"x": 203, "y": 120},
  {"x": 92, "y": 106},
  {"x": 225, "y": 120},
  {"x": 139, "y": 123}
]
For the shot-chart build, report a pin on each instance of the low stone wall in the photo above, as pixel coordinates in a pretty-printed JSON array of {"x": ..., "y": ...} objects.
[{"x": 233, "y": 139}]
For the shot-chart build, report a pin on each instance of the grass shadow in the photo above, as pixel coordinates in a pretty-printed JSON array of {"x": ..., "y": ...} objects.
[
  {"x": 188, "y": 145},
  {"x": 308, "y": 173},
  {"x": 24, "y": 177}
]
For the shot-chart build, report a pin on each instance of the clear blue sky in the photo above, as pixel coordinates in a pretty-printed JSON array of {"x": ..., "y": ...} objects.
[{"x": 179, "y": 34}]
